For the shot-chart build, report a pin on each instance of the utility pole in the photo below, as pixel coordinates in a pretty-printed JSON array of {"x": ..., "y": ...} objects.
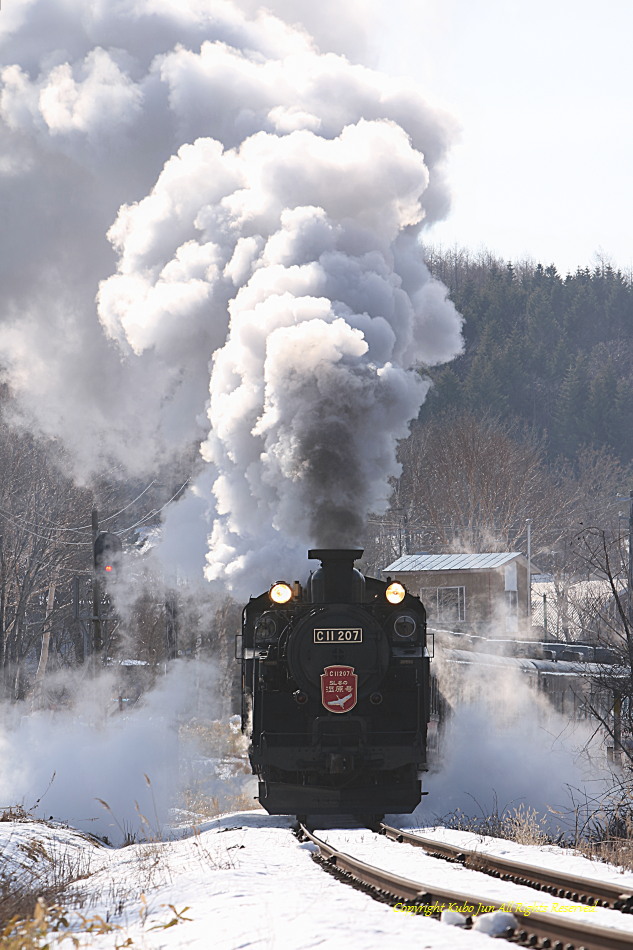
[
  {"x": 629, "y": 578},
  {"x": 528, "y": 522},
  {"x": 171, "y": 625},
  {"x": 617, "y": 696},
  {"x": 97, "y": 639},
  {"x": 46, "y": 639}
]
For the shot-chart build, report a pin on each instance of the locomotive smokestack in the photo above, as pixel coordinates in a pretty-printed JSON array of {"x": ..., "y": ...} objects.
[{"x": 337, "y": 581}]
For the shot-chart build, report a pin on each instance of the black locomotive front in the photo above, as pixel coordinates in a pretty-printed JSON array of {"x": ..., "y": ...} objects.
[{"x": 335, "y": 692}]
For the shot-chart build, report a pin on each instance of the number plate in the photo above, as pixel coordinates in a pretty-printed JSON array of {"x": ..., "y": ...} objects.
[{"x": 338, "y": 635}]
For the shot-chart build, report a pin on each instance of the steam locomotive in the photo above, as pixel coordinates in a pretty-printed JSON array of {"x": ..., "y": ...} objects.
[{"x": 335, "y": 692}]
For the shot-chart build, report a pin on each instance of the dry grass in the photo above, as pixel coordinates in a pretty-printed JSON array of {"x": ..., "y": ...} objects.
[
  {"x": 607, "y": 834},
  {"x": 34, "y": 932},
  {"x": 14, "y": 813},
  {"x": 216, "y": 858},
  {"x": 32, "y": 888},
  {"x": 31, "y": 931},
  {"x": 38, "y": 904},
  {"x": 36, "y": 898},
  {"x": 40, "y": 873},
  {"x": 521, "y": 824},
  {"x": 600, "y": 830},
  {"x": 205, "y": 806},
  {"x": 214, "y": 738},
  {"x": 218, "y": 770},
  {"x": 618, "y": 851}
]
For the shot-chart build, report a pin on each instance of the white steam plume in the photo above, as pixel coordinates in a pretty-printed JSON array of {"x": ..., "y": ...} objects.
[
  {"x": 264, "y": 199},
  {"x": 505, "y": 749},
  {"x": 141, "y": 762}
]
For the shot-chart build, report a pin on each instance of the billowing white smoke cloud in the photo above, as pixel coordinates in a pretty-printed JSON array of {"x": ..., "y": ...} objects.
[
  {"x": 264, "y": 199},
  {"x": 65, "y": 764},
  {"x": 491, "y": 763}
]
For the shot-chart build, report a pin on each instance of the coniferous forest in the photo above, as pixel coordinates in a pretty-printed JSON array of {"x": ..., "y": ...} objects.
[{"x": 554, "y": 353}]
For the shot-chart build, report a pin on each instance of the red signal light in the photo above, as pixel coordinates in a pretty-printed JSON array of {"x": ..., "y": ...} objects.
[{"x": 108, "y": 551}]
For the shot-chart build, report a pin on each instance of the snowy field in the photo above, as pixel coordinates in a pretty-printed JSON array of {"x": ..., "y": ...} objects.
[{"x": 243, "y": 880}]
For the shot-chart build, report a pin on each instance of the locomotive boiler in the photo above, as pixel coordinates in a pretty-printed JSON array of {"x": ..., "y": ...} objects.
[{"x": 335, "y": 692}]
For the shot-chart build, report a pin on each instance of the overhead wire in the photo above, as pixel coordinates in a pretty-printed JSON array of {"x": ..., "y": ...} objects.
[
  {"x": 151, "y": 514},
  {"x": 157, "y": 511},
  {"x": 56, "y": 527},
  {"x": 133, "y": 502},
  {"x": 35, "y": 534}
]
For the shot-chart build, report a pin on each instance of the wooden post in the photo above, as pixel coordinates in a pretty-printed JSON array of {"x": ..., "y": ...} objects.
[
  {"x": 171, "y": 625},
  {"x": 97, "y": 639},
  {"x": 46, "y": 639},
  {"x": 617, "y": 726}
]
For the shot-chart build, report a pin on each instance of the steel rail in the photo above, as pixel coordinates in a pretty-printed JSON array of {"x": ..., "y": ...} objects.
[
  {"x": 572, "y": 887},
  {"x": 532, "y": 930}
]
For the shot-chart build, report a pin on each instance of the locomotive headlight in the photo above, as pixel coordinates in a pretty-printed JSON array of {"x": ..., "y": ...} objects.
[
  {"x": 404, "y": 627},
  {"x": 280, "y": 593},
  {"x": 395, "y": 593}
]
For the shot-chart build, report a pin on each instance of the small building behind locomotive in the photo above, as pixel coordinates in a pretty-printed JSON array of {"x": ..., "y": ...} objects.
[{"x": 468, "y": 592}]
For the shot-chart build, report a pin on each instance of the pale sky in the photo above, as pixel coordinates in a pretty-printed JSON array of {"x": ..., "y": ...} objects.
[{"x": 543, "y": 93}]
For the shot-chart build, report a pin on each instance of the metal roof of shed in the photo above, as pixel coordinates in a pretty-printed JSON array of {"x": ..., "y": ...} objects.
[{"x": 451, "y": 562}]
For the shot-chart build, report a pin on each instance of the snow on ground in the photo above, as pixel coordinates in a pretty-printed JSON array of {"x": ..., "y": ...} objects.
[
  {"x": 416, "y": 864},
  {"x": 243, "y": 880},
  {"x": 36, "y": 851},
  {"x": 564, "y": 860}
]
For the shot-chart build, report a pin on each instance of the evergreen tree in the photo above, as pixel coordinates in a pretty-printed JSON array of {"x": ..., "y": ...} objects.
[
  {"x": 571, "y": 408},
  {"x": 555, "y": 353}
]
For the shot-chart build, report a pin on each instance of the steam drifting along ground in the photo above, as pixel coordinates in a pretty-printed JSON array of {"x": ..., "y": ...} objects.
[
  {"x": 526, "y": 764},
  {"x": 504, "y": 748},
  {"x": 266, "y": 295},
  {"x": 118, "y": 774}
]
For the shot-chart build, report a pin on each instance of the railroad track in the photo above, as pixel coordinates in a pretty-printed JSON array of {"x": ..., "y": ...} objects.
[
  {"x": 579, "y": 889},
  {"x": 541, "y": 930}
]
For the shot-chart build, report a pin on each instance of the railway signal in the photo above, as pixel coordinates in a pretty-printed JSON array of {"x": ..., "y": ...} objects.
[{"x": 108, "y": 551}]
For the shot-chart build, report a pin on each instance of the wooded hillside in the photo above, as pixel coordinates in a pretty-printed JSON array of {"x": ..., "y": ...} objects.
[{"x": 553, "y": 352}]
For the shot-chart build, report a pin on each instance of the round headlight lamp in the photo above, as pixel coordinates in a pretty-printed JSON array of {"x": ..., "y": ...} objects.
[
  {"x": 395, "y": 593},
  {"x": 280, "y": 593}
]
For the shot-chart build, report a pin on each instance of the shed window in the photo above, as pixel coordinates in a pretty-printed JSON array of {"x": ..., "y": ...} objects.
[{"x": 445, "y": 603}]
